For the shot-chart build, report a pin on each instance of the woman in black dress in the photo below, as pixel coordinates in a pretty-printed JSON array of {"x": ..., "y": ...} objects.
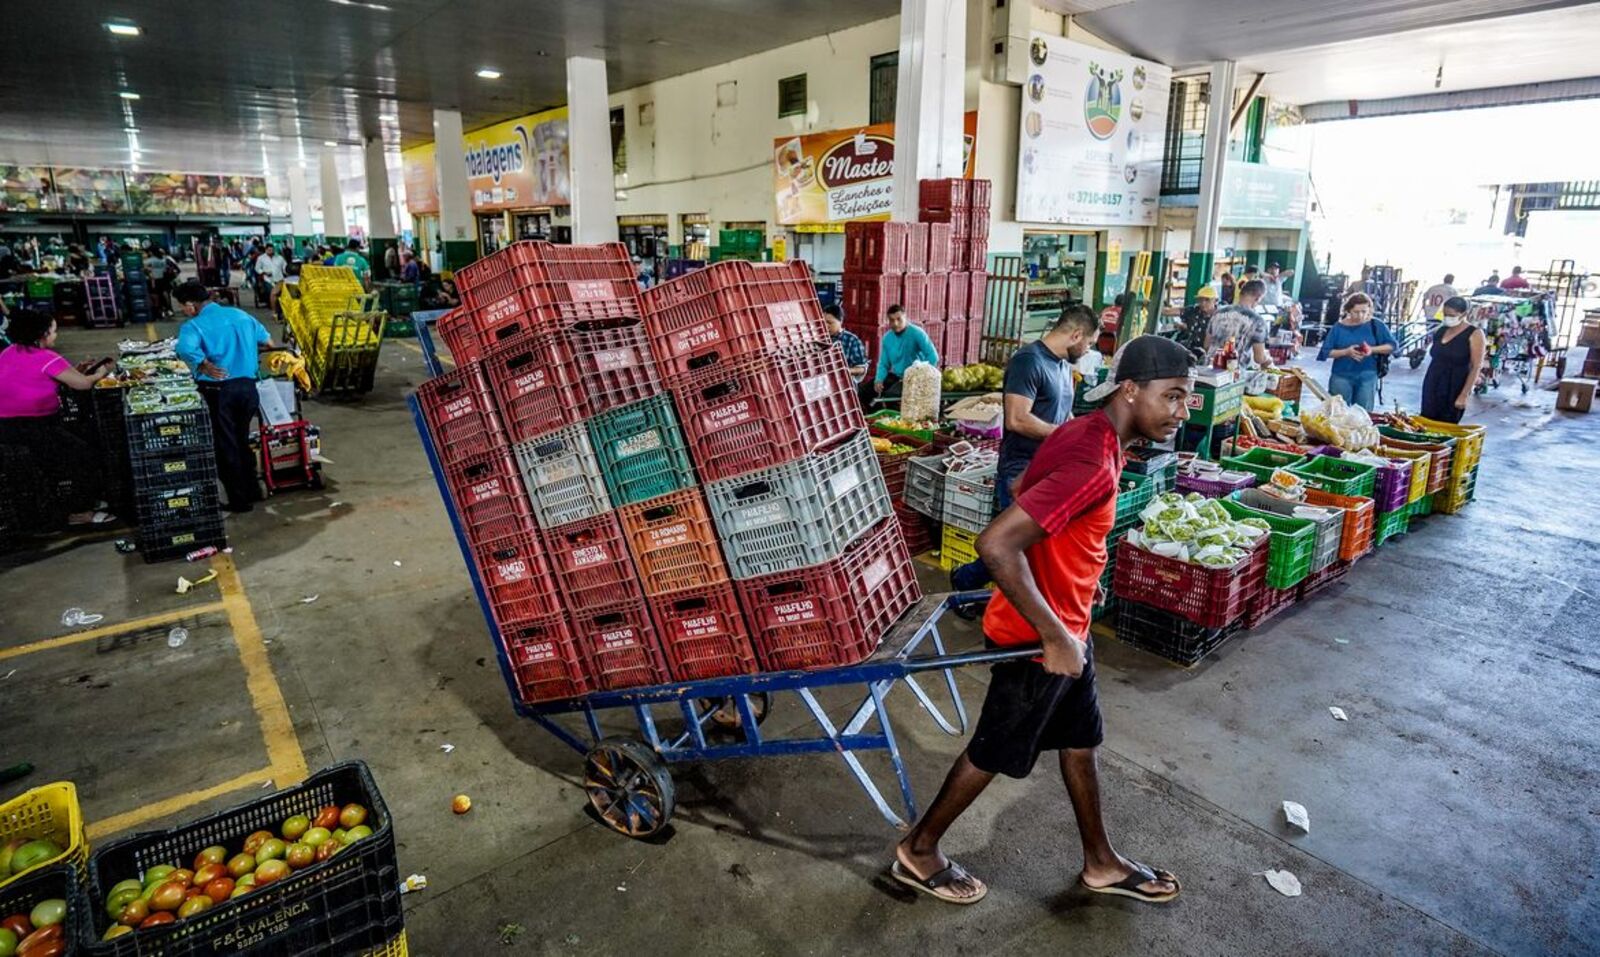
[{"x": 1456, "y": 357}]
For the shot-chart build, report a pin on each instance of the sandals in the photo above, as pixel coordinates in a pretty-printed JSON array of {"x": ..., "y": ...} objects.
[
  {"x": 938, "y": 885},
  {"x": 98, "y": 518},
  {"x": 1129, "y": 886}
]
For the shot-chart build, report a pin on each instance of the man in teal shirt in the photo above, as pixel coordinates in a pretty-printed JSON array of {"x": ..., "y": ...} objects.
[
  {"x": 223, "y": 346},
  {"x": 358, "y": 263},
  {"x": 902, "y": 345}
]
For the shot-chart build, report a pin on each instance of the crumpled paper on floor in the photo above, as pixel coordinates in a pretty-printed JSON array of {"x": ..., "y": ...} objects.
[
  {"x": 1297, "y": 816},
  {"x": 1283, "y": 882},
  {"x": 185, "y": 584},
  {"x": 1338, "y": 713}
]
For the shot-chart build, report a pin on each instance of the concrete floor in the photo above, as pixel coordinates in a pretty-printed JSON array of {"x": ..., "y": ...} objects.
[{"x": 1456, "y": 812}]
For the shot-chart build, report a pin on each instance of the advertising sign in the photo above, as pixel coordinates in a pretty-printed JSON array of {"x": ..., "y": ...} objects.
[
  {"x": 519, "y": 163},
  {"x": 1093, "y": 128},
  {"x": 422, "y": 180},
  {"x": 843, "y": 175},
  {"x": 90, "y": 190},
  {"x": 1264, "y": 197},
  {"x": 25, "y": 189},
  {"x": 196, "y": 194}
]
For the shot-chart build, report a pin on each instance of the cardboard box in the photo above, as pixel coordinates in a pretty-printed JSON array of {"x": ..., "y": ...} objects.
[
  {"x": 1575, "y": 395},
  {"x": 1589, "y": 334}
]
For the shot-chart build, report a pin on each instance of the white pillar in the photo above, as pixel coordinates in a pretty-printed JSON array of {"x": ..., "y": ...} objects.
[
  {"x": 380, "y": 206},
  {"x": 929, "y": 99},
  {"x": 1213, "y": 168},
  {"x": 594, "y": 195},
  {"x": 299, "y": 201},
  {"x": 332, "y": 198},
  {"x": 450, "y": 161}
]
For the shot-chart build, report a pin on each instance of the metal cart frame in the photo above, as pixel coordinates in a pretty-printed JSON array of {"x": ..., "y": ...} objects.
[{"x": 626, "y": 778}]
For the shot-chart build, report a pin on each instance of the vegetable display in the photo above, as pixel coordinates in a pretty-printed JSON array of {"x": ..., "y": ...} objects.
[
  {"x": 1196, "y": 529},
  {"x": 38, "y": 933},
  {"x": 979, "y": 376},
  {"x": 884, "y": 446},
  {"x": 22, "y": 854}
]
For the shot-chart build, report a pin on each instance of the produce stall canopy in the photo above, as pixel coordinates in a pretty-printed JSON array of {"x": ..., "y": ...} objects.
[{"x": 844, "y": 175}]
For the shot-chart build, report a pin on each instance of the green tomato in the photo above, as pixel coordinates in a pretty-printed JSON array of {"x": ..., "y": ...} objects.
[
  {"x": 316, "y": 837},
  {"x": 158, "y": 874},
  {"x": 357, "y": 833},
  {"x": 119, "y": 898},
  {"x": 8, "y": 942},
  {"x": 47, "y": 912}
]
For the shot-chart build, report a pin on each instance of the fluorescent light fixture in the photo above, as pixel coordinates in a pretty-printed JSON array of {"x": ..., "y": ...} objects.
[
  {"x": 128, "y": 95},
  {"x": 124, "y": 29},
  {"x": 489, "y": 73},
  {"x": 387, "y": 118},
  {"x": 329, "y": 143},
  {"x": 131, "y": 129}
]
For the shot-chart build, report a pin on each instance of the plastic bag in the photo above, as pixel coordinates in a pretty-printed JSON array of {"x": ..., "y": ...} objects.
[
  {"x": 920, "y": 393},
  {"x": 1338, "y": 423}
]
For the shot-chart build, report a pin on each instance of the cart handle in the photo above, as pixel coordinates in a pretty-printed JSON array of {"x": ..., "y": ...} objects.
[{"x": 986, "y": 657}]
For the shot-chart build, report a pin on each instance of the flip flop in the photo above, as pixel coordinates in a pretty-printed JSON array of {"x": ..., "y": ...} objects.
[
  {"x": 938, "y": 885},
  {"x": 98, "y": 518},
  {"x": 1129, "y": 886}
]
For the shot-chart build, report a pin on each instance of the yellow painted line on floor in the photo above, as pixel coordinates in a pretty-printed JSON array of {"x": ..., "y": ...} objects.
[
  {"x": 106, "y": 826},
  {"x": 418, "y": 350},
  {"x": 104, "y": 631},
  {"x": 287, "y": 761},
  {"x": 150, "y": 332}
]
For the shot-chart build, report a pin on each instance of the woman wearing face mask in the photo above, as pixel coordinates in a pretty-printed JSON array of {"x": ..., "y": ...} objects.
[
  {"x": 1456, "y": 357},
  {"x": 1354, "y": 344}
]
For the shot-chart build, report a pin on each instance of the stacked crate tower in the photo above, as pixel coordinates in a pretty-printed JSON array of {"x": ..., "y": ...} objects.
[
  {"x": 138, "y": 306},
  {"x": 174, "y": 468}
]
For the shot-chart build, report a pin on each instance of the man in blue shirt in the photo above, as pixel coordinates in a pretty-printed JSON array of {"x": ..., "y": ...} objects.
[
  {"x": 902, "y": 345},
  {"x": 855, "y": 352},
  {"x": 223, "y": 346}
]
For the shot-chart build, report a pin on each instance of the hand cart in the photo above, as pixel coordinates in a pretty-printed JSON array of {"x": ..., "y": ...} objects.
[
  {"x": 288, "y": 445},
  {"x": 626, "y": 778}
]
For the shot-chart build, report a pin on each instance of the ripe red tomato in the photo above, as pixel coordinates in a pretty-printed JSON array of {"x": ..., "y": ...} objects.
[
  {"x": 168, "y": 896},
  {"x": 219, "y": 889},
  {"x": 159, "y": 917},
  {"x": 134, "y": 913},
  {"x": 18, "y": 924},
  {"x": 327, "y": 817},
  {"x": 255, "y": 840}
]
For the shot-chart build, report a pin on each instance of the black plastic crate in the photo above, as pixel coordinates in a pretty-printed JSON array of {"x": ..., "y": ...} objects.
[
  {"x": 161, "y": 431},
  {"x": 178, "y": 506},
  {"x": 173, "y": 467},
  {"x": 1170, "y": 636},
  {"x": 348, "y": 904},
  {"x": 164, "y": 543},
  {"x": 51, "y": 883}
]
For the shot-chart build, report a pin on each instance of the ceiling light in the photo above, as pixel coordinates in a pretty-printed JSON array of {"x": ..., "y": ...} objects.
[
  {"x": 128, "y": 95},
  {"x": 387, "y": 118},
  {"x": 489, "y": 73},
  {"x": 131, "y": 129},
  {"x": 124, "y": 29},
  {"x": 329, "y": 143}
]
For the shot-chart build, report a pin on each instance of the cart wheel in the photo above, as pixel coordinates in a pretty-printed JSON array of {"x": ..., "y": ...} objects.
[
  {"x": 316, "y": 478},
  {"x": 1524, "y": 388},
  {"x": 726, "y": 717},
  {"x": 628, "y": 786}
]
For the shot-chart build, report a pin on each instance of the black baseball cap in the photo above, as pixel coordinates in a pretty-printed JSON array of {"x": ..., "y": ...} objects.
[{"x": 1149, "y": 358}]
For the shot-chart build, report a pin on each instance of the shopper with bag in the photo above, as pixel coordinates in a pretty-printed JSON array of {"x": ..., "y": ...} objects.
[
  {"x": 1457, "y": 355},
  {"x": 1360, "y": 346}
]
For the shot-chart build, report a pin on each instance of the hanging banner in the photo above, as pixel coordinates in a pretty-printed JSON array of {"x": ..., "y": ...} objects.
[
  {"x": 90, "y": 190},
  {"x": 422, "y": 180},
  {"x": 1093, "y": 127},
  {"x": 25, "y": 189},
  {"x": 519, "y": 163},
  {"x": 196, "y": 194},
  {"x": 1265, "y": 197},
  {"x": 843, "y": 175}
]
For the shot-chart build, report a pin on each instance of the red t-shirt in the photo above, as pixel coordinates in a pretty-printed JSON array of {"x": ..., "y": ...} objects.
[{"x": 1070, "y": 489}]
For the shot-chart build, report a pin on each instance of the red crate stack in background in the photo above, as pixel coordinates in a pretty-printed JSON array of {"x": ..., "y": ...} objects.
[{"x": 962, "y": 208}]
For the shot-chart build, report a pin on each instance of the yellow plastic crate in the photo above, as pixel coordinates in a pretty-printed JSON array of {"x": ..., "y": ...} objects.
[
  {"x": 396, "y": 947},
  {"x": 957, "y": 547},
  {"x": 48, "y": 811},
  {"x": 1461, "y": 490},
  {"x": 1469, "y": 443},
  {"x": 1421, "y": 465},
  {"x": 328, "y": 278}
]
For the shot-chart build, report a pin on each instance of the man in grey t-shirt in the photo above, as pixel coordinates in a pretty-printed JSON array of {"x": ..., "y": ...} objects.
[{"x": 1241, "y": 323}]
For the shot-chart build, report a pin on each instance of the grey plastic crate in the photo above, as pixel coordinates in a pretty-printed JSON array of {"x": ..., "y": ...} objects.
[
  {"x": 925, "y": 486},
  {"x": 562, "y": 476},
  {"x": 800, "y": 513},
  {"x": 1330, "y": 531},
  {"x": 968, "y": 501}
]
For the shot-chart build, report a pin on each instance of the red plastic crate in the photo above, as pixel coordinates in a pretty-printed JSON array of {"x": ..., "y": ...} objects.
[
  {"x": 460, "y": 413},
  {"x": 575, "y": 262},
  {"x": 977, "y": 255},
  {"x": 875, "y": 247},
  {"x": 1269, "y": 603},
  {"x": 536, "y": 385},
  {"x": 489, "y": 497},
  {"x": 868, "y": 296},
  {"x": 834, "y": 613},
  {"x": 545, "y": 657},
  {"x": 517, "y": 578},
  {"x": 1209, "y": 597},
  {"x": 943, "y": 193},
  {"x": 730, "y": 309},
  {"x": 893, "y": 464},
  {"x": 958, "y": 287},
  {"x": 939, "y": 238},
  {"x": 914, "y": 295},
  {"x": 916, "y": 247},
  {"x": 935, "y": 328},
  {"x": 674, "y": 542},
  {"x": 980, "y": 192},
  {"x": 761, "y": 410},
  {"x": 703, "y": 633},
  {"x": 934, "y": 295},
  {"x": 459, "y": 331},
  {"x": 591, "y": 562},
  {"x": 916, "y": 529},
  {"x": 498, "y": 298},
  {"x": 978, "y": 223},
  {"x": 613, "y": 363},
  {"x": 619, "y": 645},
  {"x": 977, "y": 295}
]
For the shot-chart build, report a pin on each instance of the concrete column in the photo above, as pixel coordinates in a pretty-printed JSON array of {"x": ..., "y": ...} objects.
[
  {"x": 299, "y": 209},
  {"x": 333, "y": 226},
  {"x": 380, "y": 208},
  {"x": 1213, "y": 166},
  {"x": 930, "y": 98},
  {"x": 594, "y": 192},
  {"x": 455, "y": 200}
]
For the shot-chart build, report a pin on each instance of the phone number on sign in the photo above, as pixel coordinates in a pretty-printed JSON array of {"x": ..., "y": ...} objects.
[{"x": 1097, "y": 199}]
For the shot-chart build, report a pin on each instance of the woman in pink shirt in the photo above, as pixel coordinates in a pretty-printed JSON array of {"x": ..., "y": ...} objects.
[{"x": 29, "y": 401}]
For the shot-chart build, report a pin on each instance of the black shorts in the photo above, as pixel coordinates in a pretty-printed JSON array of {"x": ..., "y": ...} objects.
[{"x": 1028, "y": 710}]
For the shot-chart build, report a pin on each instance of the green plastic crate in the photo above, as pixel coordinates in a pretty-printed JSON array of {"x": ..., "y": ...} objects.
[
  {"x": 876, "y": 421},
  {"x": 1210, "y": 405},
  {"x": 1422, "y": 506},
  {"x": 1338, "y": 476},
  {"x": 1293, "y": 544},
  {"x": 1261, "y": 462},
  {"x": 1133, "y": 494},
  {"x": 641, "y": 451},
  {"x": 1390, "y": 524}
]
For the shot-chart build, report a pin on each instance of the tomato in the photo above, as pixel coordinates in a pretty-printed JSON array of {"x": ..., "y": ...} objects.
[
  {"x": 220, "y": 889},
  {"x": 44, "y": 942},
  {"x": 192, "y": 892},
  {"x": 215, "y": 854},
  {"x": 116, "y": 930},
  {"x": 255, "y": 840},
  {"x": 134, "y": 914},
  {"x": 352, "y": 815},
  {"x": 327, "y": 817},
  {"x": 182, "y": 876},
  {"x": 296, "y": 826},
  {"x": 248, "y": 880},
  {"x": 325, "y": 849},
  {"x": 119, "y": 898},
  {"x": 269, "y": 871},
  {"x": 156, "y": 876},
  {"x": 209, "y": 873},
  {"x": 240, "y": 890},
  {"x": 241, "y": 864},
  {"x": 195, "y": 905},
  {"x": 316, "y": 837},
  {"x": 49, "y": 912},
  {"x": 271, "y": 849},
  {"x": 357, "y": 833},
  {"x": 8, "y": 942},
  {"x": 168, "y": 897},
  {"x": 18, "y": 924},
  {"x": 160, "y": 917},
  {"x": 300, "y": 855}
]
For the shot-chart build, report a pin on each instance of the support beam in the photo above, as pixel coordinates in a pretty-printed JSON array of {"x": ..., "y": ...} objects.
[
  {"x": 929, "y": 98},
  {"x": 299, "y": 209},
  {"x": 381, "y": 236},
  {"x": 594, "y": 192},
  {"x": 1214, "y": 164},
  {"x": 333, "y": 225},
  {"x": 455, "y": 201}
]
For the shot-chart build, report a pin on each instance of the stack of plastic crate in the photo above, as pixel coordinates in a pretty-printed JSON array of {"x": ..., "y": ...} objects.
[
  {"x": 796, "y": 494},
  {"x": 174, "y": 479},
  {"x": 136, "y": 289},
  {"x": 329, "y": 315},
  {"x": 957, "y": 211}
]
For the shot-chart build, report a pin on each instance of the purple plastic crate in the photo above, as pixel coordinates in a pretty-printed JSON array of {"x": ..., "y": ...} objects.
[
  {"x": 1393, "y": 488},
  {"x": 1213, "y": 488}
]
